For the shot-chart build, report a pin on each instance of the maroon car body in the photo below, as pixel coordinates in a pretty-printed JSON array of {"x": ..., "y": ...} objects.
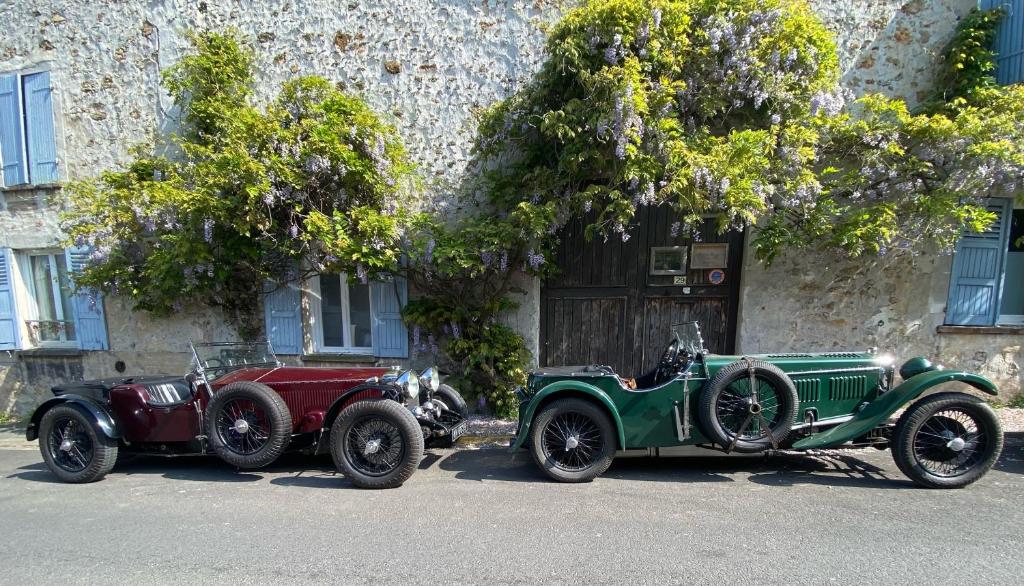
[{"x": 171, "y": 415}]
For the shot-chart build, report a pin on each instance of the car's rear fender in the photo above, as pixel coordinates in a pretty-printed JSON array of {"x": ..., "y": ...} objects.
[
  {"x": 879, "y": 410},
  {"x": 563, "y": 390},
  {"x": 101, "y": 420}
]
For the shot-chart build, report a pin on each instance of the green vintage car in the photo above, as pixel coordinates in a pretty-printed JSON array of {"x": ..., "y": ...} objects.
[{"x": 575, "y": 419}]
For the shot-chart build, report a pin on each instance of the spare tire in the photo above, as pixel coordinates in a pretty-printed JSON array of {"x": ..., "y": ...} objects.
[
  {"x": 739, "y": 420},
  {"x": 248, "y": 424}
]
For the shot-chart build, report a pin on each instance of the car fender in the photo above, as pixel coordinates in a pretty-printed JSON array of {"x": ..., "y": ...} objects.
[
  {"x": 879, "y": 410},
  {"x": 101, "y": 419},
  {"x": 568, "y": 387}
]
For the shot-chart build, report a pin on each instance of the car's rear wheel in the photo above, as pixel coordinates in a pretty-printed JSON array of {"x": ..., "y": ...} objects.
[
  {"x": 248, "y": 424},
  {"x": 748, "y": 406},
  {"x": 947, "y": 440},
  {"x": 376, "y": 443},
  {"x": 72, "y": 448},
  {"x": 451, "y": 400},
  {"x": 572, "y": 440}
]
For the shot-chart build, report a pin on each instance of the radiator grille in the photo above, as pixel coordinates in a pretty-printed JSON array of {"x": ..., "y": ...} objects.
[
  {"x": 842, "y": 354},
  {"x": 808, "y": 390},
  {"x": 847, "y": 387}
]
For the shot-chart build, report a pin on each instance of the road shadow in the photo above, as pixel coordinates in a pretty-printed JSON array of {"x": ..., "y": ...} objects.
[
  {"x": 832, "y": 468},
  {"x": 1012, "y": 459},
  {"x": 198, "y": 468}
]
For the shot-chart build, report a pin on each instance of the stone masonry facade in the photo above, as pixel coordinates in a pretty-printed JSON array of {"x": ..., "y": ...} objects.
[{"x": 428, "y": 66}]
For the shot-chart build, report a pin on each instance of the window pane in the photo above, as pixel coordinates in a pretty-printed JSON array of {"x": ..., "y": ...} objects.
[
  {"x": 42, "y": 287},
  {"x": 65, "y": 297},
  {"x": 332, "y": 317},
  {"x": 359, "y": 313}
]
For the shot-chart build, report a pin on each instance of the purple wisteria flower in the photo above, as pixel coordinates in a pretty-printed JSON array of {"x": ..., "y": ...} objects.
[
  {"x": 456, "y": 330},
  {"x": 293, "y": 231},
  {"x": 534, "y": 259},
  {"x": 361, "y": 274},
  {"x": 674, "y": 230},
  {"x": 503, "y": 261},
  {"x": 208, "y": 229}
]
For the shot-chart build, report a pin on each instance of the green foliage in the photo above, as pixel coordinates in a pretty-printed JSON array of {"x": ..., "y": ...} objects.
[
  {"x": 968, "y": 61},
  {"x": 733, "y": 110},
  {"x": 246, "y": 195}
]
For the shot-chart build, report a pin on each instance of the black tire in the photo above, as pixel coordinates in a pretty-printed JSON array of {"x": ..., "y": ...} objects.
[
  {"x": 87, "y": 457},
  {"x": 398, "y": 450},
  {"x": 726, "y": 413},
  {"x": 583, "y": 421},
  {"x": 921, "y": 441},
  {"x": 248, "y": 424},
  {"x": 452, "y": 400}
]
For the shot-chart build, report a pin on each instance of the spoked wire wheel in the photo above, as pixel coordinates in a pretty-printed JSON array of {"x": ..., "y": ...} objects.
[
  {"x": 949, "y": 443},
  {"x": 374, "y": 446},
  {"x": 572, "y": 441},
  {"x": 947, "y": 440},
  {"x": 73, "y": 449},
  {"x": 243, "y": 426},
  {"x": 748, "y": 406},
  {"x": 70, "y": 444},
  {"x": 377, "y": 443},
  {"x": 248, "y": 424}
]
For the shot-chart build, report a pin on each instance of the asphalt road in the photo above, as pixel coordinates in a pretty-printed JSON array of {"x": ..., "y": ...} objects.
[{"x": 486, "y": 516}]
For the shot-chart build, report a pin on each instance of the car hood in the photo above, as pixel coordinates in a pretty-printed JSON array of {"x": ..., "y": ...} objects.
[{"x": 290, "y": 374}]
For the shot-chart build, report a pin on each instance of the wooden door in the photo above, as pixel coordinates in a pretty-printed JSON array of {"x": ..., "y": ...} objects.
[{"x": 604, "y": 306}]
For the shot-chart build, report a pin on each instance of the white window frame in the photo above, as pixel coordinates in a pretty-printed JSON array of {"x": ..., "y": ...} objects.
[
  {"x": 25, "y": 297},
  {"x": 316, "y": 320},
  {"x": 1009, "y": 319}
]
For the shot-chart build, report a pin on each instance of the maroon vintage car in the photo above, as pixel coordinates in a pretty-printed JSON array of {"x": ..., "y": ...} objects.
[{"x": 240, "y": 403}]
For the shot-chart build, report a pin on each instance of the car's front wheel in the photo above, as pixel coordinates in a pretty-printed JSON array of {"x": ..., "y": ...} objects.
[
  {"x": 376, "y": 443},
  {"x": 572, "y": 440},
  {"x": 947, "y": 440},
  {"x": 72, "y": 448},
  {"x": 451, "y": 400}
]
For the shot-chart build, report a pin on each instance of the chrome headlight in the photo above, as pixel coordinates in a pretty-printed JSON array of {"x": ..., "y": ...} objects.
[
  {"x": 409, "y": 384},
  {"x": 430, "y": 379}
]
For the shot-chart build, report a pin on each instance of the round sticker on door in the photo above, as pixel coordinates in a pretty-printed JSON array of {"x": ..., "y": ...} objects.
[{"x": 716, "y": 277}]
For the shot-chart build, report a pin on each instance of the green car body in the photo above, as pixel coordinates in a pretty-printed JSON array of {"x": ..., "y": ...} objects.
[
  {"x": 842, "y": 397},
  {"x": 834, "y": 386}
]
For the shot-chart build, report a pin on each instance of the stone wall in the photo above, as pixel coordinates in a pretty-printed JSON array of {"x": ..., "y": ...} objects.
[
  {"x": 896, "y": 304},
  {"x": 427, "y": 66}
]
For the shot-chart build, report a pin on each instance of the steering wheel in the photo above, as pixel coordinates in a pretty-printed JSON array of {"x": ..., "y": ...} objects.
[{"x": 669, "y": 362}]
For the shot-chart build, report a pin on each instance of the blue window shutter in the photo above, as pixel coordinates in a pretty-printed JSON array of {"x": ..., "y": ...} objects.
[
  {"x": 41, "y": 143},
  {"x": 1009, "y": 46},
  {"x": 390, "y": 337},
  {"x": 12, "y": 143},
  {"x": 10, "y": 338},
  {"x": 87, "y": 306},
  {"x": 282, "y": 309},
  {"x": 978, "y": 266}
]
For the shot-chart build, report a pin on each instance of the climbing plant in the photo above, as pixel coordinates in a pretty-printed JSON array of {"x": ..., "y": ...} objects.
[
  {"x": 728, "y": 109},
  {"x": 241, "y": 194}
]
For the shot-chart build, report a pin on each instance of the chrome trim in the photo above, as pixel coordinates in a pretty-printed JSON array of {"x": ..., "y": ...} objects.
[
  {"x": 831, "y": 370},
  {"x": 823, "y": 422}
]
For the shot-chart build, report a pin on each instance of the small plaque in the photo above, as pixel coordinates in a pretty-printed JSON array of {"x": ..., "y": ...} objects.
[
  {"x": 679, "y": 280},
  {"x": 709, "y": 256},
  {"x": 716, "y": 276},
  {"x": 668, "y": 260}
]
